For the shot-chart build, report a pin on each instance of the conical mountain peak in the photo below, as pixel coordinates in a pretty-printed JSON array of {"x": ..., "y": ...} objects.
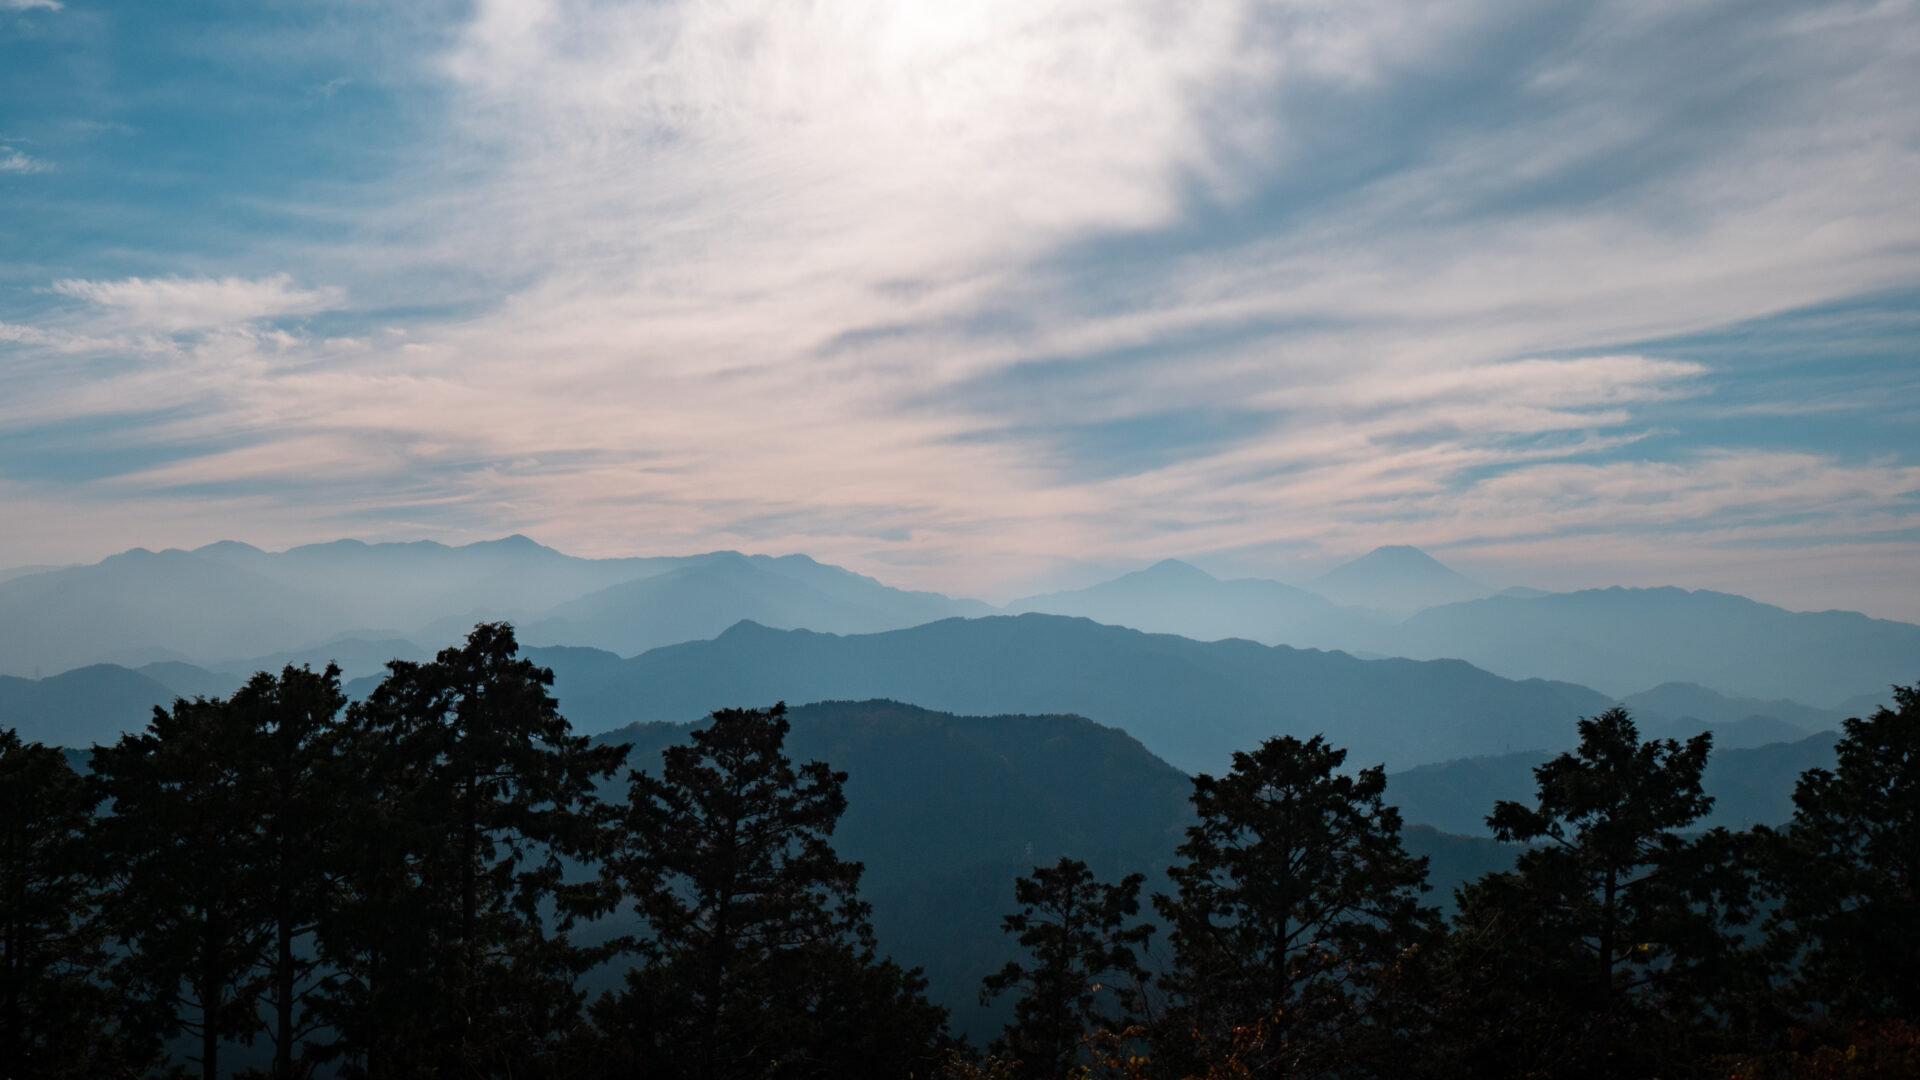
[{"x": 1397, "y": 578}]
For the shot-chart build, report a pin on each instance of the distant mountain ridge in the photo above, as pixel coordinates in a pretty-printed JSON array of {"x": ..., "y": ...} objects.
[
  {"x": 1750, "y": 786},
  {"x": 1621, "y": 641},
  {"x": 1617, "y": 640},
  {"x": 704, "y": 599},
  {"x": 1192, "y": 703},
  {"x": 231, "y": 608},
  {"x": 226, "y": 601},
  {"x": 1398, "y": 580},
  {"x": 1173, "y": 597}
]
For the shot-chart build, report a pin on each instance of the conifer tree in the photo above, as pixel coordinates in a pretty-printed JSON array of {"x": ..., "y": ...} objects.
[
  {"x": 449, "y": 941},
  {"x": 56, "y": 1019},
  {"x": 1084, "y": 970},
  {"x": 181, "y": 836},
  {"x": 1295, "y": 896},
  {"x": 1610, "y": 950},
  {"x": 758, "y": 958},
  {"x": 1846, "y": 872},
  {"x": 289, "y": 724}
]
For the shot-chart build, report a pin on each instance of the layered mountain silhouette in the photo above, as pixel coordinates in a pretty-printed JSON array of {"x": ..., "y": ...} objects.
[
  {"x": 228, "y": 605},
  {"x": 1622, "y": 641},
  {"x": 230, "y": 609},
  {"x": 1619, "y": 641},
  {"x": 1192, "y": 703},
  {"x": 142, "y": 606},
  {"x": 1172, "y": 597},
  {"x": 704, "y": 598}
]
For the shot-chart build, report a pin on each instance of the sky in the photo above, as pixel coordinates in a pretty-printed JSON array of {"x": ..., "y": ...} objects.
[{"x": 982, "y": 296}]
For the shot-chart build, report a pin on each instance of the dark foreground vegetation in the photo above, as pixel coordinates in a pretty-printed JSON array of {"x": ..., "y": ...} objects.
[{"x": 422, "y": 884}]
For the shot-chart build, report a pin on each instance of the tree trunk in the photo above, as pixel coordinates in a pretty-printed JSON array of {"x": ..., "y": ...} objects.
[{"x": 283, "y": 983}]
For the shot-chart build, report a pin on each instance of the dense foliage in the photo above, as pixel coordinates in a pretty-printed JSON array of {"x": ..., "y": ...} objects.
[{"x": 428, "y": 882}]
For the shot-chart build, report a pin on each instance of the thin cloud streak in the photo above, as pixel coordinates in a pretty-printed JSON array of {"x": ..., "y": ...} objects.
[{"x": 864, "y": 279}]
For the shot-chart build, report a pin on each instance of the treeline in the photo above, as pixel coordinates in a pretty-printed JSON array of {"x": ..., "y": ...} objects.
[
  {"x": 420, "y": 884},
  {"x": 1626, "y": 942},
  {"x": 405, "y": 887}
]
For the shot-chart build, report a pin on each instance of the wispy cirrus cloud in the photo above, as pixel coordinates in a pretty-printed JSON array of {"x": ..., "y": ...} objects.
[
  {"x": 178, "y": 303},
  {"x": 963, "y": 294}
]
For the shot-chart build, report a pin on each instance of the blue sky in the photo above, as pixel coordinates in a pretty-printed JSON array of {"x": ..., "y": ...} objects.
[{"x": 980, "y": 297}]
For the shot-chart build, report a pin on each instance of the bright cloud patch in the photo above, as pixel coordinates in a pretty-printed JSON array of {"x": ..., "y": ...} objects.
[
  {"x": 13, "y": 161},
  {"x": 191, "y": 303}
]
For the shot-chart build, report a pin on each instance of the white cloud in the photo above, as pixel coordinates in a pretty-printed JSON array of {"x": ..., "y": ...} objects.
[
  {"x": 31, "y": 5},
  {"x": 175, "y": 303},
  {"x": 13, "y": 161}
]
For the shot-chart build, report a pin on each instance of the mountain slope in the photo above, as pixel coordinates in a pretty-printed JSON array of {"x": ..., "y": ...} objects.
[
  {"x": 702, "y": 599},
  {"x": 1397, "y": 580},
  {"x": 1191, "y": 703},
  {"x": 1692, "y": 701},
  {"x": 1172, "y": 597},
  {"x": 142, "y": 606},
  {"x": 230, "y": 606},
  {"x": 1621, "y": 641},
  {"x": 81, "y": 707},
  {"x": 1750, "y": 786}
]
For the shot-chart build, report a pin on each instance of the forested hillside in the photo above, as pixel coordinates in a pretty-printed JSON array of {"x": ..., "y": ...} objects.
[{"x": 443, "y": 878}]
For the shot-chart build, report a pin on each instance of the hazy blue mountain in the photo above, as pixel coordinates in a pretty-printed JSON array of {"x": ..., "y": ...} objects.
[
  {"x": 142, "y": 606},
  {"x": 1192, "y": 703},
  {"x": 703, "y": 598},
  {"x": 579, "y": 673},
  {"x": 1690, "y": 701},
  {"x": 1398, "y": 580},
  {"x": 185, "y": 680},
  {"x": 1172, "y": 597},
  {"x": 233, "y": 607},
  {"x": 406, "y": 586},
  {"x": 1752, "y": 786},
  {"x": 1621, "y": 641},
  {"x": 100, "y": 702},
  {"x": 355, "y": 656},
  {"x": 81, "y": 707}
]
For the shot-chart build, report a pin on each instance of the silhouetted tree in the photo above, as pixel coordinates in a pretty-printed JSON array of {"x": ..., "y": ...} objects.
[
  {"x": 758, "y": 958},
  {"x": 1610, "y": 948},
  {"x": 288, "y": 725},
  {"x": 1295, "y": 897},
  {"x": 1846, "y": 872},
  {"x": 449, "y": 936},
  {"x": 56, "y": 1019},
  {"x": 1083, "y": 970},
  {"x": 182, "y": 836}
]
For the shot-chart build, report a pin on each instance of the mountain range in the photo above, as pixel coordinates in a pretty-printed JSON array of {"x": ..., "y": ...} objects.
[
  {"x": 233, "y": 607},
  {"x": 230, "y": 608},
  {"x": 1192, "y": 703},
  {"x": 1619, "y": 641}
]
